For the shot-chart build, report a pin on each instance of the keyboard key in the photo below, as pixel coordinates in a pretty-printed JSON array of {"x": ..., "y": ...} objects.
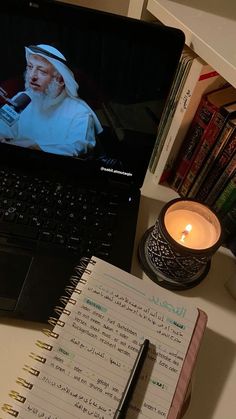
[
  {"x": 59, "y": 239},
  {"x": 82, "y": 221}
]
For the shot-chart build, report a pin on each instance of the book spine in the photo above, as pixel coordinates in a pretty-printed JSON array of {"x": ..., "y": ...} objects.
[
  {"x": 211, "y": 158},
  {"x": 181, "y": 109},
  {"x": 169, "y": 106},
  {"x": 205, "y": 146},
  {"x": 208, "y": 80},
  {"x": 187, "y": 153},
  {"x": 222, "y": 181},
  {"x": 229, "y": 224},
  {"x": 227, "y": 197},
  {"x": 217, "y": 169},
  {"x": 229, "y": 204}
]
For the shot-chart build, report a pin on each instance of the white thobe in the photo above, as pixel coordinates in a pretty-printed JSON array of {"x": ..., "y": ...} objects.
[{"x": 68, "y": 127}]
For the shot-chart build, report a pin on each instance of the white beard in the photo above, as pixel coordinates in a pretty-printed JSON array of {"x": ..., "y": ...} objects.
[{"x": 43, "y": 100}]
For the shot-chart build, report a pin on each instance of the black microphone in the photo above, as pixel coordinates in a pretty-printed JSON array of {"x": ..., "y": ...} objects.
[{"x": 10, "y": 113}]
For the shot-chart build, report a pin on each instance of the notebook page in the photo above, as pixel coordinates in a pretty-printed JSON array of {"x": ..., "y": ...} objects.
[{"x": 84, "y": 370}]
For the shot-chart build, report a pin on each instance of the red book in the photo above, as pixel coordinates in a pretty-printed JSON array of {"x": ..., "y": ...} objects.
[
  {"x": 209, "y": 105},
  {"x": 221, "y": 171},
  {"x": 206, "y": 145}
]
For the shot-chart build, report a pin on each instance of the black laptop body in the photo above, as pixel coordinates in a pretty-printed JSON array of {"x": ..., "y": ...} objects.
[{"x": 60, "y": 200}]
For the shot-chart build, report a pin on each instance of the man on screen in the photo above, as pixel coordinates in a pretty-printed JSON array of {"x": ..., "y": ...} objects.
[{"x": 56, "y": 120}]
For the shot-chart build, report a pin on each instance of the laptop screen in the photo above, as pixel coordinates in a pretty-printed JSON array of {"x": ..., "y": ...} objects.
[{"x": 83, "y": 85}]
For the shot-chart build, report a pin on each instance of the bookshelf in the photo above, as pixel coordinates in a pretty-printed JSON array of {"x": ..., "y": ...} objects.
[{"x": 209, "y": 29}]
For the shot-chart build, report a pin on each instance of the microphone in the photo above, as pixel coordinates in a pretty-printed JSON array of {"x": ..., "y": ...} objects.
[{"x": 10, "y": 112}]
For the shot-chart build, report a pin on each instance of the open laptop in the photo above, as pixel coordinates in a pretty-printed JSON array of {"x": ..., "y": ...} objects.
[{"x": 124, "y": 69}]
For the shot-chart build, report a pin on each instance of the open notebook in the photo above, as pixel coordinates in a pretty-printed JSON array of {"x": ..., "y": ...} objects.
[{"x": 81, "y": 368}]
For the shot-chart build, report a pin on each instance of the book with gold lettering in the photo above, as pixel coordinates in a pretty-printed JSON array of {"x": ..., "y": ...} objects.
[{"x": 80, "y": 365}]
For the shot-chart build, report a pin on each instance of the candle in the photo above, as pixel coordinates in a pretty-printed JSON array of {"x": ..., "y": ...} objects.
[
  {"x": 194, "y": 227},
  {"x": 176, "y": 252}
]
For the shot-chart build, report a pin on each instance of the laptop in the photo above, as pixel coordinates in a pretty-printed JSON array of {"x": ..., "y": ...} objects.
[{"x": 73, "y": 159}]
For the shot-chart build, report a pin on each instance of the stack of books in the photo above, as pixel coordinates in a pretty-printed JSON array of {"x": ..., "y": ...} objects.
[{"x": 196, "y": 154}]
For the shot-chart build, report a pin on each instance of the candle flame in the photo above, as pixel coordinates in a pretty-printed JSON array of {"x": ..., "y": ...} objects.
[{"x": 185, "y": 233}]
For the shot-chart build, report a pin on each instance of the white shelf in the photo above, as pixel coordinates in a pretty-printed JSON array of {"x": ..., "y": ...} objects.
[
  {"x": 209, "y": 27},
  {"x": 152, "y": 189}
]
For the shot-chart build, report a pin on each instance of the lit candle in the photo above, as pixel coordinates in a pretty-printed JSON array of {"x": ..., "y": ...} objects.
[
  {"x": 192, "y": 224},
  {"x": 176, "y": 252}
]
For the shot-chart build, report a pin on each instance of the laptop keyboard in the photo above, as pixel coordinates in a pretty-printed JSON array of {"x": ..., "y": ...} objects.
[{"x": 80, "y": 220}]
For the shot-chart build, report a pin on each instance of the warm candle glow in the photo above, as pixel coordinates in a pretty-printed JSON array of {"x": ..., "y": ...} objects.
[
  {"x": 186, "y": 231},
  {"x": 192, "y": 225}
]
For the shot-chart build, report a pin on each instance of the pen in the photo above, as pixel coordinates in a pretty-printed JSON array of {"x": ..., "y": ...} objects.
[{"x": 131, "y": 383}]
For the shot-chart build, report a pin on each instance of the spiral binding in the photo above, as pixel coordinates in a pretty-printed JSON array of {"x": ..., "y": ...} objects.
[
  {"x": 79, "y": 270},
  {"x": 50, "y": 333},
  {"x": 37, "y": 357},
  {"x": 62, "y": 310},
  {"x": 31, "y": 370},
  {"x": 67, "y": 300},
  {"x": 44, "y": 345},
  {"x": 53, "y": 321},
  {"x": 22, "y": 382},
  {"x": 16, "y": 396},
  {"x": 74, "y": 282},
  {"x": 71, "y": 289},
  {"x": 8, "y": 409}
]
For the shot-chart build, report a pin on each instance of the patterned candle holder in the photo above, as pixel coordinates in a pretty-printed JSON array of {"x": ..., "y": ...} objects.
[{"x": 176, "y": 252}]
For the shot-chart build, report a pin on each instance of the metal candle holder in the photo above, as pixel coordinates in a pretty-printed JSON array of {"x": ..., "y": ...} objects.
[{"x": 168, "y": 262}]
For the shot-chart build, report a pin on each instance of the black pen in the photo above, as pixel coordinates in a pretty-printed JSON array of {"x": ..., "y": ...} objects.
[{"x": 131, "y": 383}]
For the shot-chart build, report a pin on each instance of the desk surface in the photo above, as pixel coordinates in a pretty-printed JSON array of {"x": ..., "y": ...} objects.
[{"x": 213, "y": 395}]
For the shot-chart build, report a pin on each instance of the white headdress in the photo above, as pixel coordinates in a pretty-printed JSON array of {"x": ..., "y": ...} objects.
[{"x": 59, "y": 62}]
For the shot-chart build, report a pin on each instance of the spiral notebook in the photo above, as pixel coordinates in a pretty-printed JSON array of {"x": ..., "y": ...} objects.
[{"x": 80, "y": 366}]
